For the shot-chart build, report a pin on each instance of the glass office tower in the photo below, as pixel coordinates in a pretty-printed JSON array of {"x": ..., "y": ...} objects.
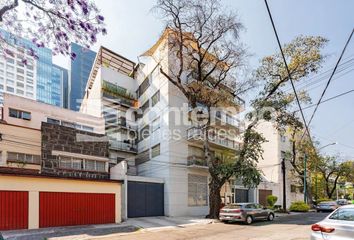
[
  {"x": 80, "y": 72},
  {"x": 59, "y": 86}
]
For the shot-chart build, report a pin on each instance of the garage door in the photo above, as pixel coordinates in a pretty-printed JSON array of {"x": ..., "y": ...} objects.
[
  {"x": 241, "y": 195},
  {"x": 13, "y": 210},
  {"x": 145, "y": 199},
  {"x": 263, "y": 194},
  {"x": 68, "y": 209}
]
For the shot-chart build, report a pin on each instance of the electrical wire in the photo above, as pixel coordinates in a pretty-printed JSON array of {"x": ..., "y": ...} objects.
[
  {"x": 330, "y": 78},
  {"x": 288, "y": 71}
]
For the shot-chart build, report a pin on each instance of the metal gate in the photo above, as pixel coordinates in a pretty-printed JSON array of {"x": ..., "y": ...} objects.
[
  {"x": 241, "y": 195},
  {"x": 68, "y": 209},
  {"x": 13, "y": 210},
  {"x": 263, "y": 194},
  {"x": 145, "y": 199}
]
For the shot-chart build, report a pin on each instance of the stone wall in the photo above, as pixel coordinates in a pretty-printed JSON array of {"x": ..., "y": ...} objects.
[{"x": 60, "y": 138}]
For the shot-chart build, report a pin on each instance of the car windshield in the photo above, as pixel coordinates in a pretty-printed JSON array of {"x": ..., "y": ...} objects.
[
  {"x": 233, "y": 206},
  {"x": 344, "y": 214}
]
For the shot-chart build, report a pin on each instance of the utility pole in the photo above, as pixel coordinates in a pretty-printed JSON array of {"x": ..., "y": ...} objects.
[
  {"x": 283, "y": 168},
  {"x": 305, "y": 177}
]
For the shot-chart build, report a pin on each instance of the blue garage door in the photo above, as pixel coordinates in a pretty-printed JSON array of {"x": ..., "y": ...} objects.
[{"x": 145, "y": 199}]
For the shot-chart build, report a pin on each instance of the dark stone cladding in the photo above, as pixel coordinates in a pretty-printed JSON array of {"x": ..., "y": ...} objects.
[{"x": 60, "y": 138}]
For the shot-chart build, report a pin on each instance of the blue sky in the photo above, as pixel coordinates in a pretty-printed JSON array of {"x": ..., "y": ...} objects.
[{"x": 132, "y": 29}]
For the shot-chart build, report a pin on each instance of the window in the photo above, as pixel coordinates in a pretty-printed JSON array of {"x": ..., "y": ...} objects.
[
  {"x": 19, "y": 114},
  {"x": 28, "y": 94},
  {"x": 19, "y": 70},
  {"x": 155, "y": 125},
  {"x": 155, "y": 151},
  {"x": 53, "y": 121},
  {"x": 10, "y": 89},
  {"x": 29, "y": 74},
  {"x": 155, "y": 99},
  {"x": 29, "y": 88},
  {"x": 20, "y": 92},
  {"x": 197, "y": 190},
  {"x": 344, "y": 214},
  {"x": 10, "y": 75},
  {"x": 21, "y": 85},
  {"x": 81, "y": 164},
  {"x": 20, "y": 78},
  {"x": 143, "y": 86},
  {"x": 10, "y": 68},
  {"x": 10, "y": 82},
  {"x": 10, "y": 60},
  {"x": 145, "y": 106},
  {"x": 143, "y": 157},
  {"x": 68, "y": 124},
  {"x": 23, "y": 158},
  {"x": 144, "y": 133}
]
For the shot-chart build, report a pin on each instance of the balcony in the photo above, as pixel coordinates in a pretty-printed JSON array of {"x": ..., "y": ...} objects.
[
  {"x": 123, "y": 146},
  {"x": 196, "y": 161},
  {"x": 229, "y": 121},
  {"x": 197, "y": 135},
  {"x": 113, "y": 122},
  {"x": 118, "y": 95}
]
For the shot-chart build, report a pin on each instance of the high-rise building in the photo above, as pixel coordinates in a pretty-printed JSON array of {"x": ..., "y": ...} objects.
[
  {"x": 23, "y": 74},
  {"x": 60, "y": 86},
  {"x": 80, "y": 68}
]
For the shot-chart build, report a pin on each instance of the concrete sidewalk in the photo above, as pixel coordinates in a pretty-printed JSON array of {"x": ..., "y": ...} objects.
[{"x": 105, "y": 230}]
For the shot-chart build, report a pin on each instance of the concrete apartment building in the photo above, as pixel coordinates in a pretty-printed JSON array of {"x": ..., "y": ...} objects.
[
  {"x": 149, "y": 114},
  {"x": 275, "y": 150},
  {"x": 50, "y": 155}
]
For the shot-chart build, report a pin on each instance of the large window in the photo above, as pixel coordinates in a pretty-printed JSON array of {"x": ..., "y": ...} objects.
[
  {"x": 19, "y": 114},
  {"x": 145, "y": 106},
  {"x": 81, "y": 164},
  {"x": 155, "y": 150},
  {"x": 143, "y": 86},
  {"x": 23, "y": 158},
  {"x": 197, "y": 190},
  {"x": 155, "y": 99}
]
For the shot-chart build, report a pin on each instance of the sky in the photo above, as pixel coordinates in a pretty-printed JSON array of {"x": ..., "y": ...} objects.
[{"x": 133, "y": 28}]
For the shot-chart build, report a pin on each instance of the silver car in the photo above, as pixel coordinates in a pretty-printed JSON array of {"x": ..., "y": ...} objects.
[
  {"x": 245, "y": 212},
  {"x": 339, "y": 225}
]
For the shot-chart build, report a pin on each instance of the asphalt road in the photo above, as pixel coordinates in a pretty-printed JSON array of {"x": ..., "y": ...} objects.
[{"x": 292, "y": 227}]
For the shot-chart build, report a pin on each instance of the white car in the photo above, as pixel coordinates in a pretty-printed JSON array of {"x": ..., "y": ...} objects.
[{"x": 339, "y": 225}]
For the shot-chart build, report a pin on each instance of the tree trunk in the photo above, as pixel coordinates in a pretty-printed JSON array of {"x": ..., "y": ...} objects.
[{"x": 214, "y": 198}]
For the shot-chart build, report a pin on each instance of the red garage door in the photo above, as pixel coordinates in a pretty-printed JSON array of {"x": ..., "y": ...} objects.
[
  {"x": 13, "y": 210},
  {"x": 68, "y": 209}
]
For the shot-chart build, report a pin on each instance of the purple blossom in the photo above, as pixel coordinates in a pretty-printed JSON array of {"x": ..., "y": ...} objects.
[{"x": 100, "y": 18}]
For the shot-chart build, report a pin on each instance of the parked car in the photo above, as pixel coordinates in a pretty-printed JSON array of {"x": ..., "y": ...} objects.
[
  {"x": 339, "y": 225},
  {"x": 327, "y": 206},
  {"x": 245, "y": 212},
  {"x": 342, "y": 202}
]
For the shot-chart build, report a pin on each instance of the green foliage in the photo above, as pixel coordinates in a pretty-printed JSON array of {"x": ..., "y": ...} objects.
[
  {"x": 323, "y": 200},
  {"x": 299, "y": 206},
  {"x": 271, "y": 200},
  {"x": 116, "y": 91}
]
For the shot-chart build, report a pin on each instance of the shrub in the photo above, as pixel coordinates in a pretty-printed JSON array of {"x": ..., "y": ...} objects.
[
  {"x": 299, "y": 206},
  {"x": 271, "y": 200}
]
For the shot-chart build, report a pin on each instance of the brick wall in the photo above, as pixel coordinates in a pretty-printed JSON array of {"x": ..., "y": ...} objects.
[{"x": 60, "y": 138}]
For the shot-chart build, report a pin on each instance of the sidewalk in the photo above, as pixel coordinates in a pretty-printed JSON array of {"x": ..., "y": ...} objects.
[{"x": 105, "y": 230}]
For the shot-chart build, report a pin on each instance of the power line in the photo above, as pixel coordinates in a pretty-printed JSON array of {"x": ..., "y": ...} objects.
[
  {"x": 328, "y": 99},
  {"x": 330, "y": 78},
  {"x": 288, "y": 71}
]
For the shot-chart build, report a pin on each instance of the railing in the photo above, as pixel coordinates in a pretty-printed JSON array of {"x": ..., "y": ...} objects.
[
  {"x": 196, "y": 160},
  {"x": 198, "y": 134},
  {"x": 119, "y": 99},
  {"x": 124, "y": 146},
  {"x": 229, "y": 120}
]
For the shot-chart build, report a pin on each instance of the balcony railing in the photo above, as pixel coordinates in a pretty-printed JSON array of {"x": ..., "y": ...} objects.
[
  {"x": 119, "y": 99},
  {"x": 123, "y": 146},
  {"x": 198, "y": 134},
  {"x": 194, "y": 160}
]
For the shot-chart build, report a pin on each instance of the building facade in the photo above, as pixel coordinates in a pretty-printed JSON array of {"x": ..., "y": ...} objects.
[
  {"x": 50, "y": 155},
  {"x": 80, "y": 68},
  {"x": 60, "y": 81},
  {"x": 28, "y": 71},
  {"x": 277, "y": 148}
]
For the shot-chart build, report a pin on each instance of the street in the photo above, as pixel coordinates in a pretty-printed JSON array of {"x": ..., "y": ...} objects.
[{"x": 292, "y": 227}]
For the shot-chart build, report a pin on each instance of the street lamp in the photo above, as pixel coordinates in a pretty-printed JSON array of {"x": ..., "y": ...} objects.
[{"x": 316, "y": 180}]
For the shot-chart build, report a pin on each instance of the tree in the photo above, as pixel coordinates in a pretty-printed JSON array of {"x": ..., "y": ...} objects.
[
  {"x": 333, "y": 171},
  {"x": 51, "y": 23},
  {"x": 203, "y": 45}
]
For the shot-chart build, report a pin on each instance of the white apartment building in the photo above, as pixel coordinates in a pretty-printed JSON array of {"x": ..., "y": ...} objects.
[
  {"x": 169, "y": 151},
  {"x": 275, "y": 149},
  {"x": 16, "y": 77}
]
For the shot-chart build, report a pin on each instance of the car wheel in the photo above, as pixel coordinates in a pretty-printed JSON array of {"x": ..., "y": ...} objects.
[
  {"x": 249, "y": 220},
  {"x": 271, "y": 217}
]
